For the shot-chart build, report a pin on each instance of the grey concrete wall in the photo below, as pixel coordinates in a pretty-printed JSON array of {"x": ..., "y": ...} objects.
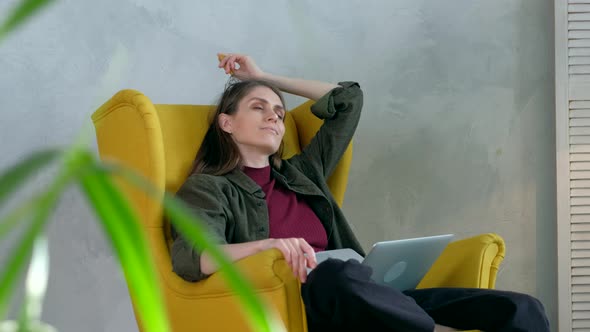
[{"x": 457, "y": 133}]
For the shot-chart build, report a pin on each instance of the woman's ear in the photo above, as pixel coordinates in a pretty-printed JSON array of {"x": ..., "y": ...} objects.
[{"x": 225, "y": 123}]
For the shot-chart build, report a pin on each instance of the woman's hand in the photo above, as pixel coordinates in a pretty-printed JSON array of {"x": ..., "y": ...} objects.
[
  {"x": 297, "y": 252},
  {"x": 246, "y": 68}
]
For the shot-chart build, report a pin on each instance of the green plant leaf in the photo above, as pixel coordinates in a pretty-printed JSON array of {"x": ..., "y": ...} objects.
[
  {"x": 41, "y": 210},
  {"x": 24, "y": 10},
  {"x": 128, "y": 240},
  {"x": 18, "y": 258},
  {"x": 260, "y": 317},
  {"x": 40, "y": 206},
  {"x": 36, "y": 281},
  {"x": 11, "y": 178},
  {"x": 18, "y": 214}
]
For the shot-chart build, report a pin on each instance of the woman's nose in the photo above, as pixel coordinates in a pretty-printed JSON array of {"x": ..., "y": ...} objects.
[{"x": 272, "y": 116}]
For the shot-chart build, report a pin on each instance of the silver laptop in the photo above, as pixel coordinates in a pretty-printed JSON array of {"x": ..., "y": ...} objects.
[{"x": 400, "y": 264}]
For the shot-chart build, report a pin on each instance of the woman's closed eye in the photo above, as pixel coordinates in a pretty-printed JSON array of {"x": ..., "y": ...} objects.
[{"x": 279, "y": 113}]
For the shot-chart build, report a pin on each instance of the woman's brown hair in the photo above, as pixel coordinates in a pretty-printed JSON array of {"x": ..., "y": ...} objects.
[{"x": 218, "y": 153}]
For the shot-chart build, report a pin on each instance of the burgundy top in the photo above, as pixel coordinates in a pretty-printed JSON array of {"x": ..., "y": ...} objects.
[{"x": 288, "y": 214}]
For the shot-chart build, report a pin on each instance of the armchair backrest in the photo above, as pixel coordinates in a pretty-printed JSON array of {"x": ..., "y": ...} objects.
[{"x": 161, "y": 141}]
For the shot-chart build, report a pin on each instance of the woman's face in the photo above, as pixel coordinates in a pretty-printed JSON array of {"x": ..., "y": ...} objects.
[{"x": 257, "y": 125}]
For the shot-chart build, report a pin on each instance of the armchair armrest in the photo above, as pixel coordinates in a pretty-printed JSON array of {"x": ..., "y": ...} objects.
[
  {"x": 471, "y": 263},
  {"x": 214, "y": 305},
  {"x": 266, "y": 271}
]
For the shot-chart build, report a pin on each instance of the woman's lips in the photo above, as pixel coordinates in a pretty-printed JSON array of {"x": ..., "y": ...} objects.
[{"x": 276, "y": 132}]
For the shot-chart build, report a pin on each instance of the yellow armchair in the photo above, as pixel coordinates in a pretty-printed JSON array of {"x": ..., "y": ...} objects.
[{"x": 161, "y": 141}]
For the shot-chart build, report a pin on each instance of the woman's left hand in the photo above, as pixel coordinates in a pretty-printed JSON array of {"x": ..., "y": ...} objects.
[{"x": 246, "y": 68}]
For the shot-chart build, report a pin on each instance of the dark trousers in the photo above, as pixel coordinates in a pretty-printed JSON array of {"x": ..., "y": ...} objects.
[{"x": 340, "y": 296}]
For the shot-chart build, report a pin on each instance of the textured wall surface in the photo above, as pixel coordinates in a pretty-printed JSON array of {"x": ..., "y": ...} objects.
[{"x": 457, "y": 133}]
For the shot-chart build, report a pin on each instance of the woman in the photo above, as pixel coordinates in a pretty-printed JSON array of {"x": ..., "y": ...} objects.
[{"x": 252, "y": 201}]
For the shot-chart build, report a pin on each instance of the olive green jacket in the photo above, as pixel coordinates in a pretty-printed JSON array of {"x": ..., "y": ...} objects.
[{"x": 233, "y": 206}]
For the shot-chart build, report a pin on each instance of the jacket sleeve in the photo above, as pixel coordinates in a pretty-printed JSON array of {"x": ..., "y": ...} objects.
[
  {"x": 340, "y": 109},
  {"x": 204, "y": 197}
]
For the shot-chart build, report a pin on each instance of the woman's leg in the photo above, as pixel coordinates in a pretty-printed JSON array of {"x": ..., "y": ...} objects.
[
  {"x": 484, "y": 309},
  {"x": 341, "y": 296}
]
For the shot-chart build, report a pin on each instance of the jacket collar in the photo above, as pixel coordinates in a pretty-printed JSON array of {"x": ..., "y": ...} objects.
[
  {"x": 243, "y": 181},
  {"x": 286, "y": 175},
  {"x": 295, "y": 180}
]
